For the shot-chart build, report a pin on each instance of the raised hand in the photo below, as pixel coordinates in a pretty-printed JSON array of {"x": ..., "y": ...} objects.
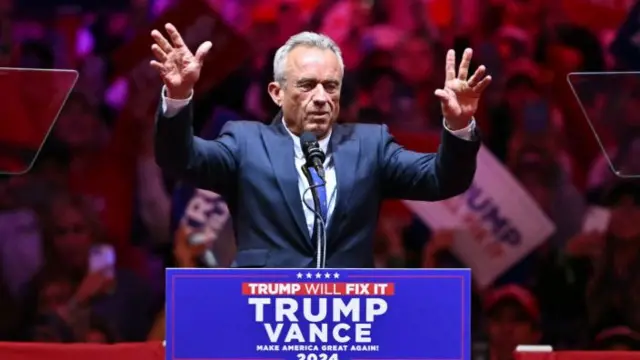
[
  {"x": 459, "y": 97},
  {"x": 177, "y": 66}
]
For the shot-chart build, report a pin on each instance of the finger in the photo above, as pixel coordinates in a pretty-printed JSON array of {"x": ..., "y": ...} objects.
[
  {"x": 477, "y": 76},
  {"x": 158, "y": 53},
  {"x": 158, "y": 67},
  {"x": 450, "y": 66},
  {"x": 478, "y": 89},
  {"x": 202, "y": 51},
  {"x": 161, "y": 41},
  {"x": 442, "y": 95},
  {"x": 198, "y": 249},
  {"x": 464, "y": 64},
  {"x": 174, "y": 35}
]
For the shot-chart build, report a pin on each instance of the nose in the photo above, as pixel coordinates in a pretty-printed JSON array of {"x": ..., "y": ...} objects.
[{"x": 320, "y": 96}]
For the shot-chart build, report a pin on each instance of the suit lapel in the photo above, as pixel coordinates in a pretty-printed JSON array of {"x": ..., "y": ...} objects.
[
  {"x": 279, "y": 147},
  {"x": 345, "y": 153}
]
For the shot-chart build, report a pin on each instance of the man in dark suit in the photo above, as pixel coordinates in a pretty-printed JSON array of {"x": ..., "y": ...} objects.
[{"x": 258, "y": 168}]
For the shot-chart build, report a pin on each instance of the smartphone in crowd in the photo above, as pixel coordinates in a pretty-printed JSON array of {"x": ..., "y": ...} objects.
[{"x": 102, "y": 257}]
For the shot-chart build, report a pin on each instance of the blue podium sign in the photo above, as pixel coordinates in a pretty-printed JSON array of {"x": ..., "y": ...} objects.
[{"x": 325, "y": 314}]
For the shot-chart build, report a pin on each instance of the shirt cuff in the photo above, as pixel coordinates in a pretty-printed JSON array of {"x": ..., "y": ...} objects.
[
  {"x": 465, "y": 133},
  {"x": 171, "y": 107}
]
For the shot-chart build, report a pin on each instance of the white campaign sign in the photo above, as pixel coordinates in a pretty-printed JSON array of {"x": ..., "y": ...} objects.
[{"x": 499, "y": 222}]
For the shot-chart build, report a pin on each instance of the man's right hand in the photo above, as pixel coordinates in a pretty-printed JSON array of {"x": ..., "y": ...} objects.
[{"x": 177, "y": 66}]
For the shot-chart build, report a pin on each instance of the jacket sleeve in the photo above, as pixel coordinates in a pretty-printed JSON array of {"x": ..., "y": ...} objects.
[
  {"x": 210, "y": 165},
  {"x": 437, "y": 176}
]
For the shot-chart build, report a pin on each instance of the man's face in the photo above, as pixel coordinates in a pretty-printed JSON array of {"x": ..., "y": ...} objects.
[
  {"x": 509, "y": 327},
  {"x": 310, "y": 96},
  {"x": 72, "y": 237}
]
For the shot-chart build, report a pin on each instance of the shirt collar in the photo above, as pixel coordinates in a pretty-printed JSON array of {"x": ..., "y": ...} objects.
[{"x": 324, "y": 143}]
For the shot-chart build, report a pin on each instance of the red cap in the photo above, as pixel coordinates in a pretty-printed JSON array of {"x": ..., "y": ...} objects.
[
  {"x": 617, "y": 332},
  {"x": 515, "y": 293}
]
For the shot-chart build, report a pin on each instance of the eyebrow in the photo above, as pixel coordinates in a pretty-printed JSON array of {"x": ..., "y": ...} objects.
[{"x": 306, "y": 80}]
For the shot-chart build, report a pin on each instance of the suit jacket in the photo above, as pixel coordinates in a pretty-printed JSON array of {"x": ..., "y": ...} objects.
[{"x": 252, "y": 166}]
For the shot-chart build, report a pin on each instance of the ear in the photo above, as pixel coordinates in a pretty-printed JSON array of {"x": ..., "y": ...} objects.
[{"x": 275, "y": 91}]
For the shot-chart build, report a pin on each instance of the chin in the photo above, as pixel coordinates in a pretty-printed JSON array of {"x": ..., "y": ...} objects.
[{"x": 318, "y": 129}]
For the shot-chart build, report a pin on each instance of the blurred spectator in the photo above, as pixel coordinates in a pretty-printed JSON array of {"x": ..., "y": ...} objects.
[
  {"x": 618, "y": 338},
  {"x": 621, "y": 150},
  {"x": 186, "y": 255},
  {"x": 544, "y": 176},
  {"x": 570, "y": 49},
  {"x": 415, "y": 61},
  {"x": 70, "y": 229},
  {"x": 513, "y": 318},
  {"x": 381, "y": 86},
  {"x": 102, "y": 168},
  {"x": 613, "y": 295}
]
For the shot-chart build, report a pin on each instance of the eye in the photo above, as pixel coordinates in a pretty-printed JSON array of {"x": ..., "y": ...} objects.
[
  {"x": 331, "y": 86},
  {"x": 307, "y": 85}
]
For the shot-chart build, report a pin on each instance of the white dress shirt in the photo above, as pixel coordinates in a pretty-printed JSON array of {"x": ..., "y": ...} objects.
[{"x": 170, "y": 107}]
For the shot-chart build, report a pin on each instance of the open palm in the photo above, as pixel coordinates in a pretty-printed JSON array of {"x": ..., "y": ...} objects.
[
  {"x": 178, "y": 67},
  {"x": 459, "y": 97}
]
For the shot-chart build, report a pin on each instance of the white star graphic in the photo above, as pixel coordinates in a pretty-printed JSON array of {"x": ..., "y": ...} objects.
[
  {"x": 336, "y": 276},
  {"x": 318, "y": 275},
  {"x": 308, "y": 275},
  {"x": 299, "y": 275},
  {"x": 327, "y": 276}
]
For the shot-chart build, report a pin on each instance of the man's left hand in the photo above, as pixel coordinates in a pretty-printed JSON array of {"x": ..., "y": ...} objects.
[{"x": 459, "y": 97}]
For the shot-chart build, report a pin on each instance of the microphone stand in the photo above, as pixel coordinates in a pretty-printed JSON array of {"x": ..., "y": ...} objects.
[{"x": 319, "y": 224}]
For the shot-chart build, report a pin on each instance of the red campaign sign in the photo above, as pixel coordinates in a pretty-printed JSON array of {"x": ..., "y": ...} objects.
[
  {"x": 197, "y": 22},
  {"x": 597, "y": 14}
]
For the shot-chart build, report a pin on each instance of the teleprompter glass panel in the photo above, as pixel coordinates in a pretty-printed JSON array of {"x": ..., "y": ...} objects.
[
  {"x": 31, "y": 102},
  {"x": 610, "y": 102}
]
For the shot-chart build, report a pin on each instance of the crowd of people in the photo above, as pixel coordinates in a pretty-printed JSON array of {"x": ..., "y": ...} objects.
[{"x": 95, "y": 180}]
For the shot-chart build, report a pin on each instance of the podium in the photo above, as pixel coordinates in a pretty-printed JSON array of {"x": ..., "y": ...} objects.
[
  {"x": 31, "y": 102},
  {"x": 318, "y": 314},
  {"x": 578, "y": 355}
]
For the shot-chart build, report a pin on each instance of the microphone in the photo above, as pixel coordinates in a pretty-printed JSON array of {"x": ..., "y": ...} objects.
[{"x": 312, "y": 152}]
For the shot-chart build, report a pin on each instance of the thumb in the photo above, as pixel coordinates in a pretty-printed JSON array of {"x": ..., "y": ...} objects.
[
  {"x": 442, "y": 95},
  {"x": 202, "y": 51}
]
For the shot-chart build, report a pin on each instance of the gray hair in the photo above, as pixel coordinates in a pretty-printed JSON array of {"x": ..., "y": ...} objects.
[{"x": 308, "y": 39}]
